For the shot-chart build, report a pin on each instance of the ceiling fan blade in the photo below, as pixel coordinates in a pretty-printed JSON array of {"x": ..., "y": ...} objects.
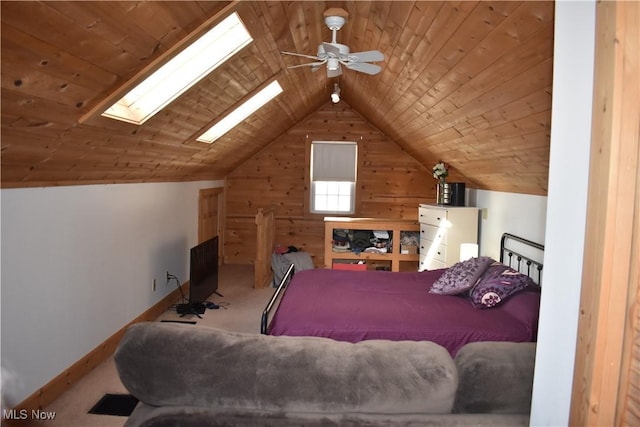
[
  {"x": 364, "y": 67},
  {"x": 308, "y": 64},
  {"x": 300, "y": 54},
  {"x": 321, "y": 52},
  {"x": 368, "y": 56}
]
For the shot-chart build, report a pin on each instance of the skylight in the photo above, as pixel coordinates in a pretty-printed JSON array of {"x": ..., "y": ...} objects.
[
  {"x": 183, "y": 71},
  {"x": 241, "y": 113}
]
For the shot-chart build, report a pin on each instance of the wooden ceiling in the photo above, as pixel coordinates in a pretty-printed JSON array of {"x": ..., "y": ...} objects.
[{"x": 466, "y": 82}]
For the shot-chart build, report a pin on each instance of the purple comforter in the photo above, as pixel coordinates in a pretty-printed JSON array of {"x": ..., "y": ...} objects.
[{"x": 363, "y": 305}]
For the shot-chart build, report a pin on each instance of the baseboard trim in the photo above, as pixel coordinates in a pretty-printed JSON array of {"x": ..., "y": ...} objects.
[{"x": 61, "y": 383}]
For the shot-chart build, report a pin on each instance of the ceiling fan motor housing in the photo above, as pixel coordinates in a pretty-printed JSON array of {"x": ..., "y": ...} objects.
[{"x": 335, "y": 50}]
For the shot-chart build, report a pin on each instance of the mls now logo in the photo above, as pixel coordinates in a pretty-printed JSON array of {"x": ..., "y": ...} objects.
[{"x": 24, "y": 414}]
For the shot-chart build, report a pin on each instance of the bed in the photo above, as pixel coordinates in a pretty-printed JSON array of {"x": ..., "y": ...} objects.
[{"x": 364, "y": 305}]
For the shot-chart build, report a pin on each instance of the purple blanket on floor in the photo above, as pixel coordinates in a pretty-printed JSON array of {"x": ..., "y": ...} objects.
[{"x": 364, "y": 305}]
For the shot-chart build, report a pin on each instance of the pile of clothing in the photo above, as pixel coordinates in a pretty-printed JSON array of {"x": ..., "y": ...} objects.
[
  {"x": 283, "y": 257},
  {"x": 378, "y": 241},
  {"x": 341, "y": 241}
]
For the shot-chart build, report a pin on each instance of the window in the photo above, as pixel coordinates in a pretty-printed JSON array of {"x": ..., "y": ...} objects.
[
  {"x": 333, "y": 177},
  {"x": 241, "y": 113},
  {"x": 183, "y": 71}
]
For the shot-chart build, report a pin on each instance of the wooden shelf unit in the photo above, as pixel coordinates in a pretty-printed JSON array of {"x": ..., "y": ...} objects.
[{"x": 395, "y": 226}]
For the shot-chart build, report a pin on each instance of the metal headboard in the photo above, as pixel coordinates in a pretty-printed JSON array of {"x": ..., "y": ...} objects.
[{"x": 515, "y": 259}]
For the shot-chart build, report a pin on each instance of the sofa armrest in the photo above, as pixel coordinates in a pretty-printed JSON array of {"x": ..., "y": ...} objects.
[
  {"x": 495, "y": 377},
  {"x": 166, "y": 364}
]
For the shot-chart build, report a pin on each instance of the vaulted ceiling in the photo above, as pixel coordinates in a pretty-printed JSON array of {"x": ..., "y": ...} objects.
[{"x": 468, "y": 83}]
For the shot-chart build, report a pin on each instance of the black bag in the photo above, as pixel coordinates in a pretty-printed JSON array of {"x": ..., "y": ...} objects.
[{"x": 361, "y": 240}]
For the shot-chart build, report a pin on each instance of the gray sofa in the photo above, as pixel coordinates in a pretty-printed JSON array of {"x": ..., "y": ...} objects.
[{"x": 185, "y": 375}]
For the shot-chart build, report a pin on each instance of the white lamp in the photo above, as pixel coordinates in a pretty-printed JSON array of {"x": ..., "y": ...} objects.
[
  {"x": 468, "y": 251},
  {"x": 335, "y": 96}
]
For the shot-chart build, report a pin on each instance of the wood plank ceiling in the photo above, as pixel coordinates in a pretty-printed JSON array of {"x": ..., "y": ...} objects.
[{"x": 465, "y": 82}]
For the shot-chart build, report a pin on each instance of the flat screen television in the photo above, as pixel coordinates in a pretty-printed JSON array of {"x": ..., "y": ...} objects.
[{"x": 203, "y": 276}]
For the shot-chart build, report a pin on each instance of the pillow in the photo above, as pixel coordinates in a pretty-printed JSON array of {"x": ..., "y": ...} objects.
[
  {"x": 498, "y": 283},
  {"x": 461, "y": 277}
]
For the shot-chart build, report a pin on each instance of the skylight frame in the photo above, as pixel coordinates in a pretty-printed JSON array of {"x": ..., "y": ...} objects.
[
  {"x": 221, "y": 42},
  {"x": 241, "y": 113}
]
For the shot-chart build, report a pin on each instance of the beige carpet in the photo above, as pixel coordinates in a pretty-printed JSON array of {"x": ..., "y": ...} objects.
[{"x": 240, "y": 311}]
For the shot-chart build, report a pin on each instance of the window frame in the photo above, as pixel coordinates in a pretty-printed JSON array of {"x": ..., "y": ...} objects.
[
  {"x": 149, "y": 96},
  {"x": 310, "y": 199}
]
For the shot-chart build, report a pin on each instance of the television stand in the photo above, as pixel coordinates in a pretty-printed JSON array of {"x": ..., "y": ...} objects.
[{"x": 184, "y": 309}]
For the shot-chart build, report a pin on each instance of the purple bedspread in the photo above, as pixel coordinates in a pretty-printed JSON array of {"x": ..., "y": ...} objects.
[{"x": 363, "y": 305}]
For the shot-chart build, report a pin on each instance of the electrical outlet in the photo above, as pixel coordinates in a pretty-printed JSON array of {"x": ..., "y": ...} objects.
[
  {"x": 485, "y": 213},
  {"x": 153, "y": 285}
]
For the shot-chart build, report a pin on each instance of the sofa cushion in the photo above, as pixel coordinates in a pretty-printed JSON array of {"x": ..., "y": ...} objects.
[
  {"x": 185, "y": 365},
  {"x": 180, "y": 416},
  {"x": 495, "y": 377}
]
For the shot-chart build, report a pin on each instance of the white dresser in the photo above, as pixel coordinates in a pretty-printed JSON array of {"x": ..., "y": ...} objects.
[{"x": 442, "y": 230}]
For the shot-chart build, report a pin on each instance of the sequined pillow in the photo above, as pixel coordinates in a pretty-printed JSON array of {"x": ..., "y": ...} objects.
[
  {"x": 461, "y": 277},
  {"x": 498, "y": 283}
]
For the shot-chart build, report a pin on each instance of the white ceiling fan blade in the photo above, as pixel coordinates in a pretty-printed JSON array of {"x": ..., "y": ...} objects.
[
  {"x": 314, "y": 65},
  {"x": 321, "y": 52},
  {"x": 309, "y": 64},
  {"x": 300, "y": 54},
  {"x": 364, "y": 67},
  {"x": 368, "y": 56}
]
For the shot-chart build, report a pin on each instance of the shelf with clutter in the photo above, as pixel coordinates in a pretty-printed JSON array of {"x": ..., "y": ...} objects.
[{"x": 371, "y": 243}]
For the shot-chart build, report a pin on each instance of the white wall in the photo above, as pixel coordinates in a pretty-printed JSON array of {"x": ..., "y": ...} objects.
[
  {"x": 566, "y": 211},
  {"x": 521, "y": 214},
  {"x": 77, "y": 265}
]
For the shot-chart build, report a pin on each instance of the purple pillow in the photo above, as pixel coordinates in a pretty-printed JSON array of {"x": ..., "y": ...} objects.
[
  {"x": 498, "y": 283},
  {"x": 461, "y": 277}
]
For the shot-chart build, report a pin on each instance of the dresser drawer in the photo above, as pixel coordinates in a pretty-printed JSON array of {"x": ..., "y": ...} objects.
[
  {"x": 431, "y": 216},
  {"x": 432, "y": 265},
  {"x": 433, "y": 233},
  {"x": 429, "y": 249}
]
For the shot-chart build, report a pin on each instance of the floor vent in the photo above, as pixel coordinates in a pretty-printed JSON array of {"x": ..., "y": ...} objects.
[{"x": 115, "y": 404}]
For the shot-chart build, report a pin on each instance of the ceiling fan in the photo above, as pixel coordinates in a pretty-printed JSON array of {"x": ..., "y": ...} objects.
[{"x": 334, "y": 54}]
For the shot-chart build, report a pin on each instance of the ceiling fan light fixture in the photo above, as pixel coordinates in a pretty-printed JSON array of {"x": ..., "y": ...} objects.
[
  {"x": 335, "y": 96},
  {"x": 333, "y": 64}
]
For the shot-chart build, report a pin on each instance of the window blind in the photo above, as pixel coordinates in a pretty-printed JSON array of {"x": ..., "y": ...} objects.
[{"x": 333, "y": 161}]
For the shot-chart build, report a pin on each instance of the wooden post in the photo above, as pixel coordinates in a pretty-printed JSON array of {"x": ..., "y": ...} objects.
[{"x": 265, "y": 235}]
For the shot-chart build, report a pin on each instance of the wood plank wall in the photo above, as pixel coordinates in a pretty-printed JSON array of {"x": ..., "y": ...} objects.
[
  {"x": 390, "y": 184},
  {"x": 606, "y": 383}
]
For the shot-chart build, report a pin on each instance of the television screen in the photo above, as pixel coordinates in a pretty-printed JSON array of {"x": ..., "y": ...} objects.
[{"x": 203, "y": 272}]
